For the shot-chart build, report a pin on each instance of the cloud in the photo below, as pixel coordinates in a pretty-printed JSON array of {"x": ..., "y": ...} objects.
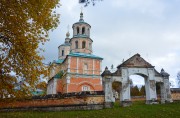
[
  {"x": 149, "y": 7},
  {"x": 122, "y": 28}
]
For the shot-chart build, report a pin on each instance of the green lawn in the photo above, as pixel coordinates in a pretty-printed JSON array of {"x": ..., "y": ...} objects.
[{"x": 137, "y": 110}]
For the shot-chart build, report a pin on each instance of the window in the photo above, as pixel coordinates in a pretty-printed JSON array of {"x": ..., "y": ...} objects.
[
  {"x": 76, "y": 44},
  {"x": 77, "y": 30},
  {"x": 90, "y": 46},
  {"x": 85, "y": 88},
  {"x": 83, "y": 44},
  {"x": 85, "y": 68},
  {"x": 83, "y": 30},
  {"x": 62, "y": 52},
  {"x": 88, "y": 32}
]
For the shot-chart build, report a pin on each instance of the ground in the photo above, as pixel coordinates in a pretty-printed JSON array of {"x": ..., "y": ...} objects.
[{"x": 137, "y": 110}]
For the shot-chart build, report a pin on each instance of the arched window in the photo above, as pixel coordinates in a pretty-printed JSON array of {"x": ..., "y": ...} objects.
[
  {"x": 76, "y": 44},
  {"x": 62, "y": 52},
  {"x": 83, "y": 44},
  {"x": 90, "y": 46},
  {"x": 88, "y": 32},
  {"x": 77, "y": 30},
  {"x": 83, "y": 30}
]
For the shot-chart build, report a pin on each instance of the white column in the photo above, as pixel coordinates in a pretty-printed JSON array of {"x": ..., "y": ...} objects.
[
  {"x": 125, "y": 92},
  {"x": 69, "y": 62},
  {"x": 100, "y": 66},
  {"x": 108, "y": 90},
  {"x": 54, "y": 87},
  {"x": 150, "y": 86},
  {"x": 167, "y": 90}
]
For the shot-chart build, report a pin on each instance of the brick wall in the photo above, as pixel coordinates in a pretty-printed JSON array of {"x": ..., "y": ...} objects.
[
  {"x": 84, "y": 100},
  {"x": 175, "y": 96}
]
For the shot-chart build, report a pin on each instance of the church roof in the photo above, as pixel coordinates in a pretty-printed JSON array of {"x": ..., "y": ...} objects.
[
  {"x": 85, "y": 55},
  {"x": 59, "y": 61},
  {"x": 81, "y": 36},
  {"x": 136, "y": 61},
  {"x": 65, "y": 44},
  {"x": 81, "y": 20},
  {"x": 157, "y": 74}
]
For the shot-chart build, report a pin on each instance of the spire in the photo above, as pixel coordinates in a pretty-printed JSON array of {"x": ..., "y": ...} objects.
[{"x": 81, "y": 17}]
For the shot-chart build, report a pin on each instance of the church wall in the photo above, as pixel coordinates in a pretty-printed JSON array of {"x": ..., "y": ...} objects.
[
  {"x": 77, "y": 66},
  {"x": 51, "y": 87},
  {"x": 66, "y": 51},
  {"x": 76, "y": 84},
  {"x": 73, "y": 64},
  {"x": 60, "y": 86}
]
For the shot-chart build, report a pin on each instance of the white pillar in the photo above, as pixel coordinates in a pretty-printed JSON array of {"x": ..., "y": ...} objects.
[
  {"x": 125, "y": 98},
  {"x": 150, "y": 86},
  {"x": 167, "y": 93},
  {"x": 109, "y": 99}
]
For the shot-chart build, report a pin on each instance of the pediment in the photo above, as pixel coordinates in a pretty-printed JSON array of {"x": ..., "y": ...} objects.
[{"x": 136, "y": 61}]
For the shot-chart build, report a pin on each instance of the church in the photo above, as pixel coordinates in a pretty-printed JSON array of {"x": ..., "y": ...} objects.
[{"x": 76, "y": 69}]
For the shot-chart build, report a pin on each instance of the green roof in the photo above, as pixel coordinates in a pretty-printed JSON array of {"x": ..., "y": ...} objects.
[
  {"x": 81, "y": 22},
  {"x": 85, "y": 55},
  {"x": 65, "y": 44},
  {"x": 58, "y": 75},
  {"x": 59, "y": 61}
]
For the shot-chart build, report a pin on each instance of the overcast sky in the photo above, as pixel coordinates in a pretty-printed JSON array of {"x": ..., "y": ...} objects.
[{"x": 122, "y": 28}]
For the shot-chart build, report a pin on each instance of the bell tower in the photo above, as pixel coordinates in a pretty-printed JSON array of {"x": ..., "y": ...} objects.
[{"x": 81, "y": 41}]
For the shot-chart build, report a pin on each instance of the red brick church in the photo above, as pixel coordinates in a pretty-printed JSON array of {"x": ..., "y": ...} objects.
[{"x": 76, "y": 69}]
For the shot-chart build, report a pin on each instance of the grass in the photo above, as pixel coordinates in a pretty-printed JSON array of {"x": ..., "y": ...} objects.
[{"x": 137, "y": 110}]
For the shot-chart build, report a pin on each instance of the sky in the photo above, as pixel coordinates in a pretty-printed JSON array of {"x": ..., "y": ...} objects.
[{"x": 123, "y": 28}]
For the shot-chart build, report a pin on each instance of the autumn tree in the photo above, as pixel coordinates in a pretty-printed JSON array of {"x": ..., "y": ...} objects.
[
  {"x": 135, "y": 91},
  {"x": 24, "y": 25},
  {"x": 42, "y": 85}
]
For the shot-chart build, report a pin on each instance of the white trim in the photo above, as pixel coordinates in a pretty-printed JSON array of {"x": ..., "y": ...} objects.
[
  {"x": 93, "y": 67},
  {"x": 69, "y": 62}
]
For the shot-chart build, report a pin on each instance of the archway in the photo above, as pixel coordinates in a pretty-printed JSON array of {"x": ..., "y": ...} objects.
[
  {"x": 137, "y": 88},
  {"x": 116, "y": 88},
  {"x": 136, "y": 66}
]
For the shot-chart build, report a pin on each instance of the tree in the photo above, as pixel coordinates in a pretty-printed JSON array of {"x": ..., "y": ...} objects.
[
  {"x": 24, "y": 25},
  {"x": 42, "y": 85},
  {"x": 178, "y": 79},
  {"x": 135, "y": 91},
  {"x": 142, "y": 91}
]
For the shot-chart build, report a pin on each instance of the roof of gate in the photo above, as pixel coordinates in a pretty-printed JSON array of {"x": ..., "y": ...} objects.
[{"x": 136, "y": 61}]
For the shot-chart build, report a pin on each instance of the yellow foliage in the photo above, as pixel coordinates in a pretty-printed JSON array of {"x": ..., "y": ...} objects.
[{"x": 24, "y": 24}]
